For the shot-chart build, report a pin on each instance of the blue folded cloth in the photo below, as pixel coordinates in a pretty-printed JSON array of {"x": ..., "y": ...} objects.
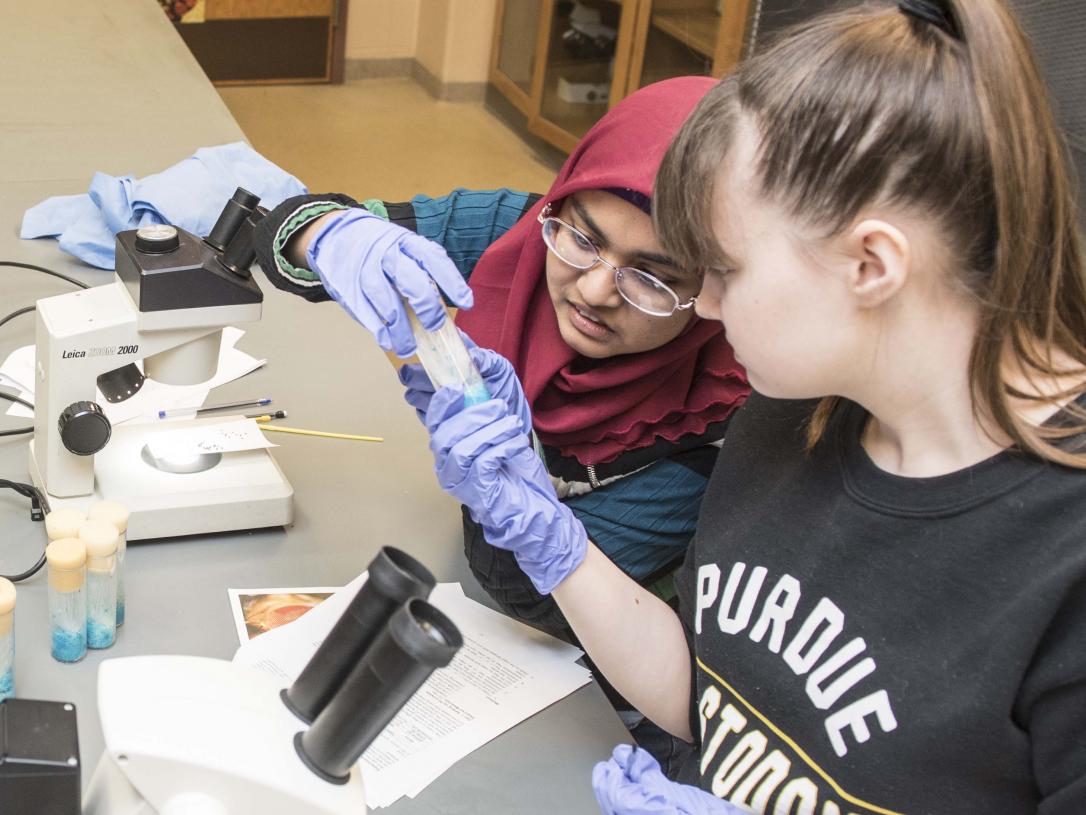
[{"x": 190, "y": 194}]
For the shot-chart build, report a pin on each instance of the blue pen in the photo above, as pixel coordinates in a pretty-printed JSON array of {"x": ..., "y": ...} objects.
[{"x": 166, "y": 414}]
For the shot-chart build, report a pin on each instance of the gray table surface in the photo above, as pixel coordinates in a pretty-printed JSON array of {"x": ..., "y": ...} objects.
[{"x": 110, "y": 87}]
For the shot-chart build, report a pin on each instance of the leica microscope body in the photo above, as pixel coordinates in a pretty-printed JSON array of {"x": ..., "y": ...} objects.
[{"x": 173, "y": 293}]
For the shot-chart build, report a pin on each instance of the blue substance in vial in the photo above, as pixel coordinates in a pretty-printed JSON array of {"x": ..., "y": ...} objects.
[
  {"x": 120, "y": 611},
  {"x": 99, "y": 635},
  {"x": 7, "y": 684},
  {"x": 476, "y": 394},
  {"x": 69, "y": 646}
]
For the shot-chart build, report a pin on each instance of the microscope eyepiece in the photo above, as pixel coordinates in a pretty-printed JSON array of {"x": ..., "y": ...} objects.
[
  {"x": 237, "y": 209},
  {"x": 418, "y": 640},
  {"x": 394, "y": 578},
  {"x": 240, "y": 253}
]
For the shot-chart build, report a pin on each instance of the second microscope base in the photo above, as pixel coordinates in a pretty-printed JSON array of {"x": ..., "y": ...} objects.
[
  {"x": 196, "y": 736},
  {"x": 245, "y": 490}
]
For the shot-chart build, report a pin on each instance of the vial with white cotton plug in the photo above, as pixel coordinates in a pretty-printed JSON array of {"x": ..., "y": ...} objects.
[
  {"x": 116, "y": 514},
  {"x": 66, "y": 561},
  {"x": 100, "y": 539}
]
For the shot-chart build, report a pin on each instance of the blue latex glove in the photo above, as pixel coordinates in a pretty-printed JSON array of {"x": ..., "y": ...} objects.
[
  {"x": 369, "y": 265},
  {"x": 484, "y": 459},
  {"x": 631, "y": 783},
  {"x": 498, "y": 375}
]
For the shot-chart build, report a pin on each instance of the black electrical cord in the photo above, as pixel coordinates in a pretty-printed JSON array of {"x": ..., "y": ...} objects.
[
  {"x": 21, "y": 431},
  {"x": 39, "y": 507},
  {"x": 43, "y": 270},
  {"x": 15, "y": 314},
  {"x": 39, "y": 504}
]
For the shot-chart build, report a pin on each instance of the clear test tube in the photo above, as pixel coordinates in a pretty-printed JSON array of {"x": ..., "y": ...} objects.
[
  {"x": 7, "y": 639},
  {"x": 446, "y": 359},
  {"x": 116, "y": 514},
  {"x": 64, "y": 523},
  {"x": 66, "y": 561},
  {"x": 100, "y": 538}
]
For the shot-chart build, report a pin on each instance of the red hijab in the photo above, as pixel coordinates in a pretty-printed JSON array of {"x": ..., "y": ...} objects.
[{"x": 595, "y": 410}]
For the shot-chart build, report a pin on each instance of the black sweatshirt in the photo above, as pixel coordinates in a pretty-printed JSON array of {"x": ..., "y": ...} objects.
[{"x": 868, "y": 643}]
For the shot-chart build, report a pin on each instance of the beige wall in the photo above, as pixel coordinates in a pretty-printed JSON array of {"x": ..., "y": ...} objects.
[
  {"x": 468, "y": 40},
  {"x": 430, "y": 46},
  {"x": 382, "y": 29},
  {"x": 450, "y": 38}
]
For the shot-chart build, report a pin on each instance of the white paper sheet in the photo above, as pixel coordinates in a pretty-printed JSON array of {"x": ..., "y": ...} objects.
[
  {"x": 504, "y": 673},
  {"x": 229, "y": 436},
  {"x": 18, "y": 371}
]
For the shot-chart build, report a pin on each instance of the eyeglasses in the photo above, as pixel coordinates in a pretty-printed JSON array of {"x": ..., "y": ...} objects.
[{"x": 640, "y": 289}]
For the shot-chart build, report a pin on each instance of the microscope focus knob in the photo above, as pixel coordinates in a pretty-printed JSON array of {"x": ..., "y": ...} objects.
[{"x": 84, "y": 428}]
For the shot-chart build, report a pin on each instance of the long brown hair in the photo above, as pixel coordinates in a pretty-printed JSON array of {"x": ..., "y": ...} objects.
[{"x": 873, "y": 106}]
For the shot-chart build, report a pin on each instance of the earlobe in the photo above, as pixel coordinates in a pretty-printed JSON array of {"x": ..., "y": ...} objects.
[{"x": 880, "y": 259}]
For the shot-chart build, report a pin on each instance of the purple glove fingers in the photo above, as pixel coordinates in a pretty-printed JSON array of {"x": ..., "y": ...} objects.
[
  {"x": 379, "y": 286},
  {"x": 415, "y": 282},
  {"x": 446, "y": 402},
  {"x": 477, "y": 455},
  {"x": 347, "y": 255},
  {"x": 468, "y": 341},
  {"x": 432, "y": 258},
  {"x": 490, "y": 363},
  {"x": 414, "y": 377},
  {"x": 420, "y": 390},
  {"x": 639, "y": 764},
  {"x": 369, "y": 266},
  {"x": 618, "y": 795},
  {"x": 449, "y": 422},
  {"x": 631, "y": 783},
  {"x": 505, "y": 486},
  {"x": 502, "y": 382}
]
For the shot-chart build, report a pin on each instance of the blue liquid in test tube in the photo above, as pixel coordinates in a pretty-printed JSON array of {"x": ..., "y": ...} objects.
[{"x": 67, "y": 579}]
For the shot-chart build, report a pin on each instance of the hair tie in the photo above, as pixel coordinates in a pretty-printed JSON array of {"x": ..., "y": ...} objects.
[{"x": 932, "y": 12}]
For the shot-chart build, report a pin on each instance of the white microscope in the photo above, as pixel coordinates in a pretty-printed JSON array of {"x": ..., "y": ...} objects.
[
  {"x": 196, "y": 736},
  {"x": 173, "y": 294}
]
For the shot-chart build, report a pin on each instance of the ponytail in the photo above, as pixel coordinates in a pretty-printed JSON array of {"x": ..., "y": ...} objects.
[{"x": 1036, "y": 298}]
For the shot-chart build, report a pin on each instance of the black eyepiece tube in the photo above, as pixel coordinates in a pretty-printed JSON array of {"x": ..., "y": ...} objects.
[
  {"x": 418, "y": 640},
  {"x": 235, "y": 212},
  {"x": 394, "y": 578},
  {"x": 240, "y": 252}
]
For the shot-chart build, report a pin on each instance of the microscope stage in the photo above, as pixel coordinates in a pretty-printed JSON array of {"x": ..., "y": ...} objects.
[{"x": 244, "y": 490}]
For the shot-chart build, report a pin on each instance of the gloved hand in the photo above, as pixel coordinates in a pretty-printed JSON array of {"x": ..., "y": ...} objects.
[
  {"x": 631, "y": 783},
  {"x": 368, "y": 264},
  {"x": 484, "y": 459},
  {"x": 498, "y": 375}
]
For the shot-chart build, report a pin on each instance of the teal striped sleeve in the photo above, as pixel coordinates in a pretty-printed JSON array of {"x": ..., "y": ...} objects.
[
  {"x": 466, "y": 222},
  {"x": 645, "y": 521}
]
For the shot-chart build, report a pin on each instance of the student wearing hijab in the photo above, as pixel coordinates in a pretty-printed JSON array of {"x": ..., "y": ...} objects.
[{"x": 628, "y": 389}]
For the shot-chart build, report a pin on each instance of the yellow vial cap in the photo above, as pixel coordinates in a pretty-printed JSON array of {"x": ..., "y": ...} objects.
[
  {"x": 64, "y": 523},
  {"x": 100, "y": 537},
  {"x": 66, "y": 558},
  {"x": 7, "y": 595},
  {"x": 110, "y": 512},
  {"x": 7, "y": 605}
]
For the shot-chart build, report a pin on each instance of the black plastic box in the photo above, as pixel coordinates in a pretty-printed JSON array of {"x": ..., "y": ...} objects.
[{"x": 39, "y": 758}]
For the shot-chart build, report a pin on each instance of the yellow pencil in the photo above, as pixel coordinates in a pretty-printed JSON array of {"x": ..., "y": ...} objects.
[{"x": 298, "y": 431}]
